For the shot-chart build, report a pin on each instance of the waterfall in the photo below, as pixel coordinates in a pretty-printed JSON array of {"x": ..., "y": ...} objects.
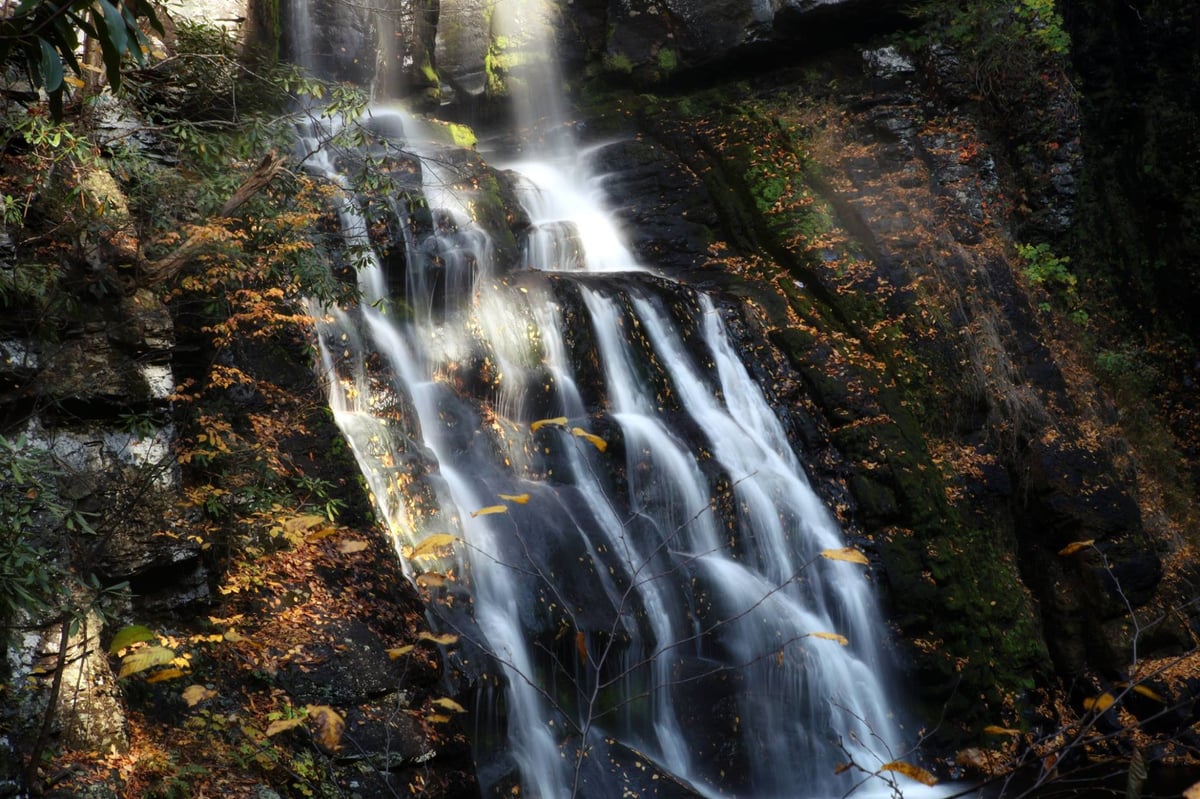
[{"x": 591, "y": 491}]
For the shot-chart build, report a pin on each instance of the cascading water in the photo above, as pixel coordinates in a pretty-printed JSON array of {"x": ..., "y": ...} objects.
[{"x": 635, "y": 548}]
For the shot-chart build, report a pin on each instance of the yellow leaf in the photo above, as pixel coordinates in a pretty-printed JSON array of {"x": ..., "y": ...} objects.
[
  {"x": 431, "y": 544},
  {"x": 595, "y": 440},
  {"x": 445, "y": 639},
  {"x": 993, "y": 729},
  {"x": 489, "y": 510},
  {"x": 1075, "y": 546},
  {"x": 437, "y": 718},
  {"x": 1100, "y": 703},
  {"x": 195, "y": 694},
  {"x": 841, "y": 639},
  {"x": 400, "y": 651},
  {"x": 540, "y": 423},
  {"x": 163, "y": 675},
  {"x": 317, "y": 535},
  {"x": 520, "y": 499},
  {"x": 847, "y": 554},
  {"x": 145, "y": 658},
  {"x": 330, "y": 726},
  {"x": 234, "y": 637},
  {"x": 349, "y": 547},
  {"x": 1148, "y": 693},
  {"x": 431, "y": 580},
  {"x": 909, "y": 770},
  {"x": 302, "y": 524},
  {"x": 71, "y": 80},
  {"x": 1193, "y": 792},
  {"x": 449, "y": 704},
  {"x": 283, "y": 725}
]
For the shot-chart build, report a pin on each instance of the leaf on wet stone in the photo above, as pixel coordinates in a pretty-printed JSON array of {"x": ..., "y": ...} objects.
[
  {"x": 841, "y": 639},
  {"x": 994, "y": 729},
  {"x": 430, "y": 545},
  {"x": 1076, "y": 546},
  {"x": 444, "y": 639},
  {"x": 166, "y": 674},
  {"x": 400, "y": 651},
  {"x": 520, "y": 499},
  {"x": 557, "y": 421},
  {"x": 449, "y": 704},
  {"x": 489, "y": 510},
  {"x": 595, "y": 440},
  {"x": 350, "y": 547},
  {"x": 1100, "y": 703},
  {"x": 283, "y": 725},
  {"x": 430, "y": 580},
  {"x": 846, "y": 555}
]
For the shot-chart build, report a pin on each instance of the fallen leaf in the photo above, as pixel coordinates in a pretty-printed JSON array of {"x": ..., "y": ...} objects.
[
  {"x": 445, "y": 639},
  {"x": 520, "y": 499},
  {"x": 1072, "y": 548},
  {"x": 437, "y": 718},
  {"x": 400, "y": 651},
  {"x": 356, "y": 545},
  {"x": 431, "y": 580},
  {"x": 841, "y": 639},
  {"x": 283, "y": 725},
  {"x": 847, "y": 554},
  {"x": 195, "y": 694},
  {"x": 595, "y": 440},
  {"x": 1193, "y": 792},
  {"x": 162, "y": 675},
  {"x": 489, "y": 510},
  {"x": 1100, "y": 703},
  {"x": 581, "y": 646},
  {"x": 449, "y": 704},
  {"x": 557, "y": 421},
  {"x": 430, "y": 545},
  {"x": 330, "y": 726},
  {"x": 1149, "y": 693}
]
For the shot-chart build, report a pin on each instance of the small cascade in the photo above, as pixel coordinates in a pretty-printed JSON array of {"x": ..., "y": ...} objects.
[{"x": 593, "y": 494}]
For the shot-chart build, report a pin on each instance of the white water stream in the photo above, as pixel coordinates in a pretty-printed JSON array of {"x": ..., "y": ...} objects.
[{"x": 644, "y": 576}]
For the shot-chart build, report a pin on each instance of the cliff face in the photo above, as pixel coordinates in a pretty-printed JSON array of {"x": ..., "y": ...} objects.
[{"x": 898, "y": 232}]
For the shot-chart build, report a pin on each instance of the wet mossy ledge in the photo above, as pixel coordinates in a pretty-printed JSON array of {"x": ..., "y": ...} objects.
[{"x": 868, "y": 231}]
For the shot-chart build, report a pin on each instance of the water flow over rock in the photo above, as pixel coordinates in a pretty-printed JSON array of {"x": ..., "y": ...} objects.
[{"x": 594, "y": 494}]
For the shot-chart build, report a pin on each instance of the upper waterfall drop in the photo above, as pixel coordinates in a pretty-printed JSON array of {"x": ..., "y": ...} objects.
[{"x": 636, "y": 549}]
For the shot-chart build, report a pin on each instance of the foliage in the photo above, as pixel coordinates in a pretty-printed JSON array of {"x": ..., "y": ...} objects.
[
  {"x": 42, "y": 35},
  {"x": 1043, "y": 268}
]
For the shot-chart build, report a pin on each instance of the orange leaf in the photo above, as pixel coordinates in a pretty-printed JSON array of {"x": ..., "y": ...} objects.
[
  {"x": 1100, "y": 703},
  {"x": 557, "y": 421},
  {"x": 400, "y": 651},
  {"x": 330, "y": 726},
  {"x": 993, "y": 729},
  {"x": 841, "y": 639},
  {"x": 1149, "y": 693},
  {"x": 581, "y": 646},
  {"x": 909, "y": 770},
  {"x": 595, "y": 440},
  {"x": 1075, "y": 546}
]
